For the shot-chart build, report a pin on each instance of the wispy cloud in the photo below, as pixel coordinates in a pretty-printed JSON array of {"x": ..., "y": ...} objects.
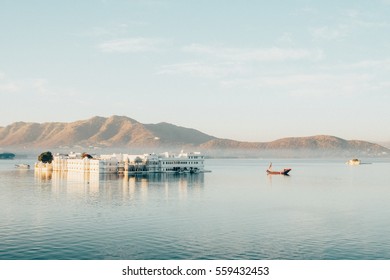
[
  {"x": 308, "y": 85},
  {"x": 346, "y": 22},
  {"x": 199, "y": 69},
  {"x": 380, "y": 66},
  {"x": 30, "y": 86},
  {"x": 114, "y": 30},
  {"x": 372, "y": 24},
  {"x": 9, "y": 87},
  {"x": 305, "y": 11},
  {"x": 364, "y": 19},
  {"x": 329, "y": 33},
  {"x": 286, "y": 38},
  {"x": 131, "y": 45},
  {"x": 255, "y": 54},
  {"x": 40, "y": 86},
  {"x": 383, "y": 64},
  {"x": 221, "y": 62}
]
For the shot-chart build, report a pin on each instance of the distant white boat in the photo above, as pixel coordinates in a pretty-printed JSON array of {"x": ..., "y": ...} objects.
[
  {"x": 353, "y": 161},
  {"x": 22, "y": 166}
]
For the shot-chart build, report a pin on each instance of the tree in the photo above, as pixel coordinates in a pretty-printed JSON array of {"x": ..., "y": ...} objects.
[
  {"x": 46, "y": 157},
  {"x": 7, "y": 156},
  {"x": 86, "y": 155}
]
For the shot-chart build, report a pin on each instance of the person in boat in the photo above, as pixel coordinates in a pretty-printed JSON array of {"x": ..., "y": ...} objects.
[{"x": 285, "y": 171}]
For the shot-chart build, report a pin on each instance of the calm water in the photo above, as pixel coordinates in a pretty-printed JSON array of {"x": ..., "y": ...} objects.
[{"x": 324, "y": 210}]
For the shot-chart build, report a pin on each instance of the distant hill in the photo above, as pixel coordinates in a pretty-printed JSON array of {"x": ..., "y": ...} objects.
[
  {"x": 115, "y": 131},
  {"x": 319, "y": 145},
  {"x": 124, "y": 132},
  {"x": 385, "y": 144}
]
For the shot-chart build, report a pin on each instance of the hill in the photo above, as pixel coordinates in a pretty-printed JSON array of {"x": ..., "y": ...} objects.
[
  {"x": 123, "y": 132},
  {"x": 385, "y": 144},
  {"x": 312, "y": 146},
  {"x": 115, "y": 131}
]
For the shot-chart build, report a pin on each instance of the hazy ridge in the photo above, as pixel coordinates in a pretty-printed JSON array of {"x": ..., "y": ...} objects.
[{"x": 124, "y": 132}]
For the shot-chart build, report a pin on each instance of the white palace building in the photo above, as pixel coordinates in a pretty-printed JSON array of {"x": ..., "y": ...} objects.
[{"x": 125, "y": 163}]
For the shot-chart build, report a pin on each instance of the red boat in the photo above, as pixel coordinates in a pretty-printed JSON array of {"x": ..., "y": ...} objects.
[{"x": 282, "y": 172}]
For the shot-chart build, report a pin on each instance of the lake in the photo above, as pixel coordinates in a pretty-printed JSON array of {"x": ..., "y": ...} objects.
[{"x": 324, "y": 210}]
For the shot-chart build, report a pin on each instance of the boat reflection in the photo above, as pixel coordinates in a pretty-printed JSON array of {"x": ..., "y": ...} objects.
[{"x": 278, "y": 179}]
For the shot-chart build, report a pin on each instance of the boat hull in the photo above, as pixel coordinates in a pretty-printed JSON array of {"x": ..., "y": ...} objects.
[
  {"x": 22, "y": 166},
  {"x": 353, "y": 162},
  {"x": 282, "y": 172}
]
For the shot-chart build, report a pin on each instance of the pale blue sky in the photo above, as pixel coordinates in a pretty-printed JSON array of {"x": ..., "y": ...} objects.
[{"x": 244, "y": 70}]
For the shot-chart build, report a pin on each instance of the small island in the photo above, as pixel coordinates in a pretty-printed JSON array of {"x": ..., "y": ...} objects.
[{"x": 7, "y": 156}]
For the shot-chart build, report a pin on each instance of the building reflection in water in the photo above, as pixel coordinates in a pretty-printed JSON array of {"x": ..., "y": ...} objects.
[
  {"x": 123, "y": 187},
  {"x": 166, "y": 184},
  {"x": 42, "y": 176}
]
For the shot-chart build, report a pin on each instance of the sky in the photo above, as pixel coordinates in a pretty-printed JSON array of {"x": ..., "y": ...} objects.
[{"x": 247, "y": 70}]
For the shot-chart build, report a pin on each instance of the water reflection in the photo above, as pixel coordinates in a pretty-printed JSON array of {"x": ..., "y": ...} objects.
[
  {"x": 277, "y": 178},
  {"x": 114, "y": 185},
  {"x": 180, "y": 184},
  {"x": 42, "y": 176},
  {"x": 316, "y": 213}
]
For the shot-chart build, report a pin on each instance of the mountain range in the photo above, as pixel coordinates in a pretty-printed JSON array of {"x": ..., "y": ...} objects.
[{"x": 124, "y": 132}]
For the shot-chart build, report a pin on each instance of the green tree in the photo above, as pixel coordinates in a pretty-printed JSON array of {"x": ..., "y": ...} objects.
[
  {"x": 86, "y": 155},
  {"x": 46, "y": 157},
  {"x": 7, "y": 156}
]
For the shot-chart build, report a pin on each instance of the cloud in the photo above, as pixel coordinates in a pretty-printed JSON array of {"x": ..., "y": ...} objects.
[
  {"x": 346, "y": 22},
  {"x": 30, "y": 87},
  {"x": 304, "y": 85},
  {"x": 40, "y": 86},
  {"x": 286, "y": 38},
  {"x": 377, "y": 66},
  {"x": 9, "y": 87},
  {"x": 199, "y": 69},
  {"x": 254, "y": 54},
  {"x": 383, "y": 64},
  {"x": 329, "y": 33},
  {"x": 372, "y": 24},
  {"x": 364, "y": 19},
  {"x": 222, "y": 62},
  {"x": 114, "y": 30},
  {"x": 308, "y": 10},
  {"x": 131, "y": 45}
]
